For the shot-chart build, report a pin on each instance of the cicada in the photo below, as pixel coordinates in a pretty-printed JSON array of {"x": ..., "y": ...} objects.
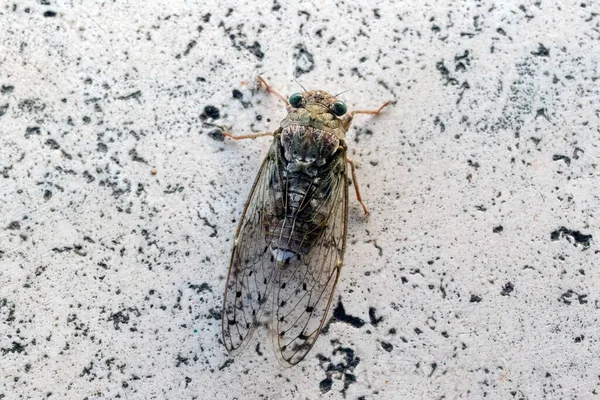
[{"x": 290, "y": 243}]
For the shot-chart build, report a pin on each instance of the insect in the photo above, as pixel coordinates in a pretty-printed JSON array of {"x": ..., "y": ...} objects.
[{"x": 291, "y": 239}]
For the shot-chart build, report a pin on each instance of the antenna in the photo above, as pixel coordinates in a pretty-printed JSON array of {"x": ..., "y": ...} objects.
[
  {"x": 303, "y": 88},
  {"x": 342, "y": 92}
]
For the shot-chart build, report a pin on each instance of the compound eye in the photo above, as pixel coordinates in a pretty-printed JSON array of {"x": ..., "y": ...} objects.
[
  {"x": 296, "y": 100},
  {"x": 339, "y": 108}
]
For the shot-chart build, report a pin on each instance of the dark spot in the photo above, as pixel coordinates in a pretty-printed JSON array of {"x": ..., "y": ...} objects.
[
  {"x": 32, "y": 130},
  {"x": 53, "y": 144},
  {"x": 135, "y": 95},
  {"x": 16, "y": 348},
  {"x": 507, "y": 289},
  {"x": 374, "y": 319},
  {"x": 569, "y": 296},
  {"x": 101, "y": 147},
  {"x": 237, "y": 94},
  {"x": 387, "y": 346},
  {"x": 47, "y": 195},
  {"x": 304, "y": 60},
  {"x": 217, "y": 135},
  {"x": 575, "y": 237},
  {"x": 226, "y": 364},
  {"x": 50, "y": 14},
  {"x": 6, "y": 89},
  {"x": 205, "y": 287},
  {"x": 339, "y": 313},
  {"x": 558, "y": 157},
  {"x": 541, "y": 112},
  {"x": 325, "y": 385},
  {"x": 473, "y": 164},
  {"x": 498, "y": 229},
  {"x": 255, "y": 49},
  {"x": 542, "y": 51},
  {"x": 135, "y": 156},
  {"x": 475, "y": 299},
  {"x": 211, "y": 112},
  {"x": 3, "y": 109},
  {"x": 14, "y": 225},
  {"x": 88, "y": 177},
  {"x": 189, "y": 47}
]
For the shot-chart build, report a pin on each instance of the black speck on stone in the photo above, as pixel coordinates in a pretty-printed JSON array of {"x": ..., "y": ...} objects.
[
  {"x": 387, "y": 346},
  {"x": 50, "y": 14},
  {"x": 339, "y": 313},
  {"x": 88, "y": 177},
  {"x": 53, "y": 144},
  {"x": 568, "y": 297},
  {"x": 212, "y": 112},
  {"x": 374, "y": 319},
  {"x": 325, "y": 385},
  {"x": 558, "y": 157},
  {"x": 237, "y": 94},
  {"x": 498, "y": 229},
  {"x": 14, "y": 225},
  {"x": 204, "y": 287},
  {"x": 576, "y": 237},
  {"x": 475, "y": 299},
  {"x": 507, "y": 289},
  {"x": 32, "y": 130},
  {"x": 304, "y": 60},
  {"x": 217, "y": 135},
  {"x": 542, "y": 51},
  {"x": 47, "y": 195},
  {"x": 255, "y": 49},
  {"x": 6, "y": 89},
  {"x": 206, "y": 17},
  {"x": 189, "y": 47}
]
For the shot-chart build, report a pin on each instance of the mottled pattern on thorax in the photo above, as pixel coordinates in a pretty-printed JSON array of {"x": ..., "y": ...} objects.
[{"x": 310, "y": 164}]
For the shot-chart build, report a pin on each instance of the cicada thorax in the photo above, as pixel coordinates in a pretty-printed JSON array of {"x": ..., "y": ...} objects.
[{"x": 310, "y": 160}]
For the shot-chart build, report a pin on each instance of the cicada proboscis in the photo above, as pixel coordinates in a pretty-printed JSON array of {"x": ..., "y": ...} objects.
[{"x": 291, "y": 238}]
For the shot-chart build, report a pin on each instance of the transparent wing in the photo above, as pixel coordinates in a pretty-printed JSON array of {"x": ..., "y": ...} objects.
[
  {"x": 303, "y": 290},
  {"x": 251, "y": 270}
]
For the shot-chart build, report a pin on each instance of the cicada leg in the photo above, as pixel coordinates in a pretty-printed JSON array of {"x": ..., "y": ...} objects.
[
  {"x": 275, "y": 92},
  {"x": 375, "y": 112},
  {"x": 358, "y": 196},
  {"x": 252, "y": 136},
  {"x": 347, "y": 119}
]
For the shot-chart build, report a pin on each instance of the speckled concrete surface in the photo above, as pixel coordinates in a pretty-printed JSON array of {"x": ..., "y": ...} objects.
[{"x": 476, "y": 274}]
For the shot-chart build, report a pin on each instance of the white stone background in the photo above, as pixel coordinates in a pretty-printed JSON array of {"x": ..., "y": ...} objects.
[{"x": 111, "y": 278}]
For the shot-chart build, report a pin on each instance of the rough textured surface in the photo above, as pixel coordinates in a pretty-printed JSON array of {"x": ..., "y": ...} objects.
[{"x": 475, "y": 275}]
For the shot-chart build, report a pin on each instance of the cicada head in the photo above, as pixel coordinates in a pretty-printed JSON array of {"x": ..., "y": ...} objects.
[{"x": 317, "y": 109}]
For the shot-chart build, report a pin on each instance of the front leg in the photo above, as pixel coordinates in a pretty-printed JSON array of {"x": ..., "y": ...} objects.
[
  {"x": 252, "y": 136},
  {"x": 347, "y": 119},
  {"x": 358, "y": 197}
]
